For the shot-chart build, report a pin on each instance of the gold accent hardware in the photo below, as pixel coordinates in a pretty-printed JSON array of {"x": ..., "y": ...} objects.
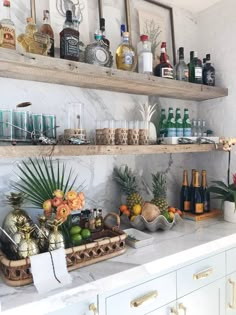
[
  {"x": 183, "y": 308},
  {"x": 139, "y": 301},
  {"x": 203, "y": 274},
  {"x": 92, "y": 307},
  {"x": 233, "y": 305},
  {"x": 173, "y": 311}
]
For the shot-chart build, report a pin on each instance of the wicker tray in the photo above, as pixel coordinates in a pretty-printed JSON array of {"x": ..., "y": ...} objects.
[{"x": 107, "y": 244}]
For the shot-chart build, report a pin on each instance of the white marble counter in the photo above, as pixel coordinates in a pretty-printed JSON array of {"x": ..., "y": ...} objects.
[{"x": 171, "y": 249}]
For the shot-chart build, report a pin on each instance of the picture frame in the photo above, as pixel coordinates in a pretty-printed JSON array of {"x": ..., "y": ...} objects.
[{"x": 156, "y": 20}]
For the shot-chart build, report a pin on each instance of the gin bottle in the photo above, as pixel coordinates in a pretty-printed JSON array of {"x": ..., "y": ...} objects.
[
  {"x": 181, "y": 69},
  {"x": 126, "y": 58},
  {"x": 7, "y": 28},
  {"x": 196, "y": 69}
]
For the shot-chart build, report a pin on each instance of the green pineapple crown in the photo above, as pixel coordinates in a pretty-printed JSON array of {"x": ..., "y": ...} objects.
[
  {"x": 159, "y": 185},
  {"x": 15, "y": 199},
  {"x": 126, "y": 179}
]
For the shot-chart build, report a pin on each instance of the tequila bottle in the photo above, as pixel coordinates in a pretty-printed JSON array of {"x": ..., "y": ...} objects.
[
  {"x": 7, "y": 28},
  {"x": 98, "y": 53},
  {"x": 126, "y": 58},
  {"x": 47, "y": 29}
]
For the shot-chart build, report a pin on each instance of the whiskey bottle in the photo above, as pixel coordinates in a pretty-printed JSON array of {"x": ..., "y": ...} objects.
[
  {"x": 205, "y": 193},
  {"x": 164, "y": 69},
  {"x": 181, "y": 70},
  {"x": 69, "y": 40},
  {"x": 126, "y": 58},
  {"x": 98, "y": 53},
  {"x": 185, "y": 194},
  {"x": 196, "y": 201},
  {"x": 47, "y": 29},
  {"x": 7, "y": 32},
  {"x": 208, "y": 72},
  {"x": 103, "y": 30}
]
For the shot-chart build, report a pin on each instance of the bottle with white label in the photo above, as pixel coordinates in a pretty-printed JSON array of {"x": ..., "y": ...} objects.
[
  {"x": 196, "y": 69},
  {"x": 171, "y": 125},
  {"x": 181, "y": 69},
  {"x": 179, "y": 123},
  {"x": 187, "y": 124},
  {"x": 194, "y": 128},
  {"x": 126, "y": 57},
  {"x": 145, "y": 57},
  {"x": 7, "y": 27},
  {"x": 164, "y": 69}
]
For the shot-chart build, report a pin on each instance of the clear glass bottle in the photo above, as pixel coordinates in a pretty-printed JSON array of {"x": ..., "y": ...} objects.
[
  {"x": 199, "y": 128},
  {"x": 196, "y": 69},
  {"x": 145, "y": 57},
  {"x": 179, "y": 123},
  {"x": 164, "y": 69},
  {"x": 208, "y": 72},
  {"x": 181, "y": 69},
  {"x": 163, "y": 123},
  {"x": 187, "y": 124},
  {"x": 97, "y": 53},
  {"x": 69, "y": 39},
  {"x": 204, "y": 128},
  {"x": 171, "y": 126},
  {"x": 7, "y": 27},
  {"x": 47, "y": 29},
  {"x": 126, "y": 58},
  {"x": 194, "y": 128}
]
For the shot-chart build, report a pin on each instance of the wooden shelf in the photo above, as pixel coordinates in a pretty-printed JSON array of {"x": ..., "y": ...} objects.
[
  {"x": 21, "y": 151},
  {"x": 52, "y": 70}
]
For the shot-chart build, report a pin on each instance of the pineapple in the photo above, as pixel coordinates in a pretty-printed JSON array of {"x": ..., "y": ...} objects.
[
  {"x": 127, "y": 181},
  {"x": 159, "y": 191}
]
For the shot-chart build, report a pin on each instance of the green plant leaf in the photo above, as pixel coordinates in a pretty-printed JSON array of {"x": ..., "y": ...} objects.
[
  {"x": 217, "y": 190},
  {"x": 221, "y": 184}
]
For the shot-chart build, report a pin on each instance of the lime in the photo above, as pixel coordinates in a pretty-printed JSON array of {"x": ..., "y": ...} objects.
[
  {"x": 76, "y": 239},
  {"x": 75, "y": 230},
  {"x": 85, "y": 233}
]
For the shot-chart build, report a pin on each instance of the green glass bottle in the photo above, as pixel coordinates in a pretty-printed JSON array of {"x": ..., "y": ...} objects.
[
  {"x": 187, "y": 126},
  {"x": 179, "y": 123},
  {"x": 171, "y": 126},
  {"x": 163, "y": 122},
  {"x": 189, "y": 68},
  {"x": 196, "y": 69}
]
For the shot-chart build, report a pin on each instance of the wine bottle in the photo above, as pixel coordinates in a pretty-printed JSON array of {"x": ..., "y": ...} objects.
[
  {"x": 196, "y": 202},
  {"x": 185, "y": 193},
  {"x": 205, "y": 193}
]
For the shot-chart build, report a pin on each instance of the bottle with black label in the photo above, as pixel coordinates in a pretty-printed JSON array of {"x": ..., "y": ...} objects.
[
  {"x": 185, "y": 193},
  {"x": 164, "y": 69},
  {"x": 196, "y": 201},
  {"x": 69, "y": 40},
  {"x": 205, "y": 193},
  {"x": 208, "y": 72}
]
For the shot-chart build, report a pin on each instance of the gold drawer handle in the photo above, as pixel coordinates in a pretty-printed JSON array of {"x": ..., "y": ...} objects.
[
  {"x": 203, "y": 274},
  {"x": 173, "y": 311},
  {"x": 92, "y": 307},
  {"x": 183, "y": 308},
  {"x": 233, "y": 305},
  {"x": 139, "y": 301}
]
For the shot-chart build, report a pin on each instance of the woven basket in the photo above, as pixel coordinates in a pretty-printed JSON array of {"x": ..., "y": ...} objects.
[{"x": 106, "y": 244}]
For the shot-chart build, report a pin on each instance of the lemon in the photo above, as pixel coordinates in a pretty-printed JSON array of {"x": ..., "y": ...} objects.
[
  {"x": 133, "y": 218},
  {"x": 137, "y": 209}
]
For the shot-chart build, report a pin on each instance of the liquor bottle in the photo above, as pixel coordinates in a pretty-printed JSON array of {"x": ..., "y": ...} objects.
[
  {"x": 204, "y": 129},
  {"x": 189, "y": 69},
  {"x": 47, "y": 29},
  {"x": 208, "y": 72},
  {"x": 69, "y": 40},
  {"x": 103, "y": 30},
  {"x": 126, "y": 58},
  {"x": 203, "y": 63},
  {"x": 7, "y": 27},
  {"x": 196, "y": 69},
  {"x": 170, "y": 125},
  {"x": 122, "y": 30},
  {"x": 199, "y": 128},
  {"x": 91, "y": 221},
  {"x": 194, "y": 128},
  {"x": 163, "y": 123},
  {"x": 164, "y": 68},
  {"x": 145, "y": 57},
  {"x": 205, "y": 193},
  {"x": 196, "y": 200},
  {"x": 185, "y": 194},
  {"x": 187, "y": 124},
  {"x": 179, "y": 123},
  {"x": 181, "y": 69},
  {"x": 97, "y": 53},
  {"x": 99, "y": 220}
]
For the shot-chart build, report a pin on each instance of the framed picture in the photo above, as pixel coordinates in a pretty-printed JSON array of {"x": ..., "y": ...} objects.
[{"x": 155, "y": 20}]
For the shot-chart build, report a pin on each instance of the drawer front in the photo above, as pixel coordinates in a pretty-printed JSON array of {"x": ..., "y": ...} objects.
[
  {"x": 231, "y": 260},
  {"x": 143, "y": 298},
  {"x": 199, "y": 274}
]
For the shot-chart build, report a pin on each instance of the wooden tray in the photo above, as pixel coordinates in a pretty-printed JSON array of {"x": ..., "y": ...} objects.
[
  {"x": 107, "y": 244},
  {"x": 214, "y": 213}
]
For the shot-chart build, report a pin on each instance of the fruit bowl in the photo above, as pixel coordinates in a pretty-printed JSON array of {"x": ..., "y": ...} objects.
[{"x": 160, "y": 223}]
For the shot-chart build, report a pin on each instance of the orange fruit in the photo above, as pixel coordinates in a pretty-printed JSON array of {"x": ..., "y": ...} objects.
[
  {"x": 126, "y": 212},
  {"x": 123, "y": 208},
  {"x": 172, "y": 209}
]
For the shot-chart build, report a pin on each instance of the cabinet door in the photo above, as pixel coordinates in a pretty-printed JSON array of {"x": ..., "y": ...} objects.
[
  {"x": 209, "y": 300},
  {"x": 169, "y": 309},
  {"x": 88, "y": 307},
  {"x": 231, "y": 294}
]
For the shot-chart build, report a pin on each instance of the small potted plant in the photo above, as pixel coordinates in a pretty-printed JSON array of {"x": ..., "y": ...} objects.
[{"x": 227, "y": 195}]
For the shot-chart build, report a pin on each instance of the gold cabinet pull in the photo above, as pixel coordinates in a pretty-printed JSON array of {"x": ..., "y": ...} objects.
[
  {"x": 92, "y": 307},
  {"x": 183, "y": 308},
  {"x": 139, "y": 301},
  {"x": 173, "y": 311},
  {"x": 203, "y": 274},
  {"x": 233, "y": 304}
]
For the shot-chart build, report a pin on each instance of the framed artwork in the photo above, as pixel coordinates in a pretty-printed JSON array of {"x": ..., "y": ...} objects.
[{"x": 155, "y": 20}]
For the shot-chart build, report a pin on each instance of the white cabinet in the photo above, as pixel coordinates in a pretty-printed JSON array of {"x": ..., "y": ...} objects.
[
  {"x": 169, "y": 309},
  {"x": 231, "y": 282}
]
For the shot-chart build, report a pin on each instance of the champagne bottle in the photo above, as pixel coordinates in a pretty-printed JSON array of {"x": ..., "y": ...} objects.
[
  {"x": 196, "y": 202},
  {"x": 205, "y": 193},
  {"x": 191, "y": 188},
  {"x": 185, "y": 193}
]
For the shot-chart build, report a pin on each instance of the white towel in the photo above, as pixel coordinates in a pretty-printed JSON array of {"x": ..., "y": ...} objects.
[{"x": 49, "y": 270}]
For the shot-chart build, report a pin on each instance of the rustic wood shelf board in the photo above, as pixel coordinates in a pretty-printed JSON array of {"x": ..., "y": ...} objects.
[
  {"x": 20, "y": 151},
  {"x": 53, "y": 70}
]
